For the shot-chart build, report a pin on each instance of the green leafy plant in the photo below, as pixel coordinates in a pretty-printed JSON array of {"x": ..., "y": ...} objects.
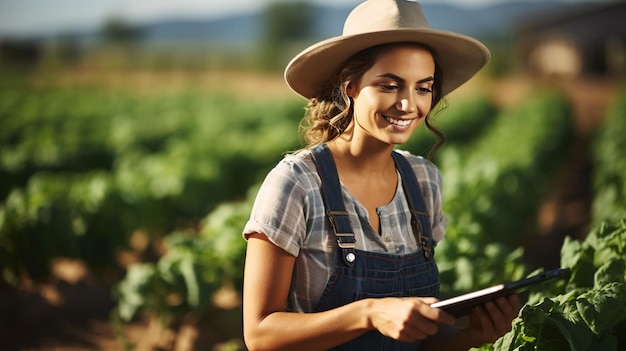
[
  {"x": 82, "y": 168},
  {"x": 195, "y": 266},
  {"x": 492, "y": 189},
  {"x": 586, "y": 313},
  {"x": 609, "y": 176}
]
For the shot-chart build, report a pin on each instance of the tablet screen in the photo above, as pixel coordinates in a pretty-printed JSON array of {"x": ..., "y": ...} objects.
[{"x": 461, "y": 305}]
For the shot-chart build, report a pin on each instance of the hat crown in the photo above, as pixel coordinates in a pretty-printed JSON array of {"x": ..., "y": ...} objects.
[
  {"x": 385, "y": 15},
  {"x": 379, "y": 22}
]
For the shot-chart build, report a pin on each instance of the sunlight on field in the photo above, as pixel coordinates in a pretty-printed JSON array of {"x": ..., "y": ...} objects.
[
  {"x": 239, "y": 84},
  {"x": 148, "y": 150},
  {"x": 250, "y": 84}
]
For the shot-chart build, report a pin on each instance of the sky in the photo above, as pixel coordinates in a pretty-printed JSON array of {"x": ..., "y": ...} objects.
[{"x": 24, "y": 17}]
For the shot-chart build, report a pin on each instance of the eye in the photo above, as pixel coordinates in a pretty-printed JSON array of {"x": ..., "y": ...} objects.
[
  {"x": 424, "y": 90},
  {"x": 388, "y": 87}
]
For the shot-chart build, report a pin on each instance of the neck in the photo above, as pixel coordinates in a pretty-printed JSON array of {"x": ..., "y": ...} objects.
[{"x": 372, "y": 157}]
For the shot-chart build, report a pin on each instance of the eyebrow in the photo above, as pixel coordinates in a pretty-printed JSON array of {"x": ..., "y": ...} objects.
[{"x": 402, "y": 80}]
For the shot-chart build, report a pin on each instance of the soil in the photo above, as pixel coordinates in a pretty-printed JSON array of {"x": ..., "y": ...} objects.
[{"x": 71, "y": 310}]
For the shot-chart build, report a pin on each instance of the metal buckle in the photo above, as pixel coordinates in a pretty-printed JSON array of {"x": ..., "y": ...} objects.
[
  {"x": 343, "y": 245},
  {"x": 428, "y": 249},
  {"x": 332, "y": 213}
]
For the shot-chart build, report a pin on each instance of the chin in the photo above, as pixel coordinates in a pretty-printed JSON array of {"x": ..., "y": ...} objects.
[{"x": 398, "y": 142}]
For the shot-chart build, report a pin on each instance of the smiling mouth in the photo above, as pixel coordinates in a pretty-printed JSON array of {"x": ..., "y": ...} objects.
[{"x": 398, "y": 122}]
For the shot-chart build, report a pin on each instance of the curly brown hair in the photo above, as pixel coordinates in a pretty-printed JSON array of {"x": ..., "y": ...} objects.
[{"x": 329, "y": 114}]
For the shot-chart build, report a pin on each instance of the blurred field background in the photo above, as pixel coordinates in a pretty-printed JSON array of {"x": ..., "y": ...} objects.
[{"x": 131, "y": 150}]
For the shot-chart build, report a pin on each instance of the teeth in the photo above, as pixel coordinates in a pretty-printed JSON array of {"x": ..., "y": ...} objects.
[{"x": 399, "y": 122}]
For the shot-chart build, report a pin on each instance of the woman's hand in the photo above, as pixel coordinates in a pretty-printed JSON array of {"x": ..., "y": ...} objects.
[
  {"x": 407, "y": 319},
  {"x": 492, "y": 320}
]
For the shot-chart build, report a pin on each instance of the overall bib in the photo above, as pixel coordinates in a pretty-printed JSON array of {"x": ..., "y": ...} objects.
[{"x": 361, "y": 274}]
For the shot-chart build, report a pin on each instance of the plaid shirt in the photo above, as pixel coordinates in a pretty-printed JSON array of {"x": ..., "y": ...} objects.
[{"x": 289, "y": 210}]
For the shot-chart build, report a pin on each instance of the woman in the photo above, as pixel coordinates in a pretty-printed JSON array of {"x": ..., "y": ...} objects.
[{"x": 341, "y": 237}]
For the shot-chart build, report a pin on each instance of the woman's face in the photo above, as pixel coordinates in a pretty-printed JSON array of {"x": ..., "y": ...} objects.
[{"x": 392, "y": 98}]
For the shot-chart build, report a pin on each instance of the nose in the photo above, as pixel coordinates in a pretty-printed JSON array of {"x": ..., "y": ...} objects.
[{"x": 407, "y": 104}]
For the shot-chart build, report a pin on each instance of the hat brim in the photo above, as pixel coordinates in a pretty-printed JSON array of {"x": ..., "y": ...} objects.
[{"x": 459, "y": 57}]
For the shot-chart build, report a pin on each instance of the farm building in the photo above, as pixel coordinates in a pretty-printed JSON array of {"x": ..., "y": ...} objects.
[{"x": 585, "y": 40}]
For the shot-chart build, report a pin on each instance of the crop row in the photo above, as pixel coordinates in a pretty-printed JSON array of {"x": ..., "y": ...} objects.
[
  {"x": 82, "y": 169},
  {"x": 138, "y": 291},
  {"x": 492, "y": 189},
  {"x": 609, "y": 179},
  {"x": 588, "y": 311}
]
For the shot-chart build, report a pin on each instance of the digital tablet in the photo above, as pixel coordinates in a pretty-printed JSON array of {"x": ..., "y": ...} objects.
[{"x": 462, "y": 305}]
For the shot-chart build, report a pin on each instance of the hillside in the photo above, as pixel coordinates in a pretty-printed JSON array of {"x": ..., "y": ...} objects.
[{"x": 246, "y": 29}]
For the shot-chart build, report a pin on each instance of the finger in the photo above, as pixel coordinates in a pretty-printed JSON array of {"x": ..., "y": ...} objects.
[
  {"x": 501, "y": 314},
  {"x": 406, "y": 333},
  {"x": 413, "y": 335},
  {"x": 408, "y": 323},
  {"x": 428, "y": 300},
  {"x": 516, "y": 303},
  {"x": 434, "y": 314},
  {"x": 506, "y": 307},
  {"x": 493, "y": 310},
  {"x": 440, "y": 316},
  {"x": 509, "y": 306},
  {"x": 498, "y": 320},
  {"x": 482, "y": 314},
  {"x": 424, "y": 323},
  {"x": 422, "y": 306},
  {"x": 418, "y": 328}
]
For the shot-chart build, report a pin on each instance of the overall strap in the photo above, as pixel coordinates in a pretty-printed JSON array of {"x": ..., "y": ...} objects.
[
  {"x": 419, "y": 214},
  {"x": 333, "y": 202}
]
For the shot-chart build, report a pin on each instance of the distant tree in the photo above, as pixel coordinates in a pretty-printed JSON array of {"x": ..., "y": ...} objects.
[
  {"x": 120, "y": 41},
  {"x": 20, "y": 54},
  {"x": 116, "y": 30},
  {"x": 285, "y": 23},
  {"x": 67, "y": 48}
]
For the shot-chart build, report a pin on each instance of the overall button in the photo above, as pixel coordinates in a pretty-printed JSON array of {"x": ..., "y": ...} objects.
[{"x": 388, "y": 238}]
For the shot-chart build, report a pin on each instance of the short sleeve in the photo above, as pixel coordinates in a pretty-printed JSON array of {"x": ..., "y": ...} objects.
[{"x": 278, "y": 210}]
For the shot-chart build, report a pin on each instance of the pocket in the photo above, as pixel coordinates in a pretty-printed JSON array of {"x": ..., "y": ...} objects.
[
  {"x": 360, "y": 295},
  {"x": 431, "y": 290}
]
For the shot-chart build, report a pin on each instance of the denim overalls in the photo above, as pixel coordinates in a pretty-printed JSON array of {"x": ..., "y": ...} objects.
[{"x": 361, "y": 274}]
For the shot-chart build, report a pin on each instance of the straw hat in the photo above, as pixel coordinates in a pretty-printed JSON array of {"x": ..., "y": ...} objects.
[{"x": 376, "y": 22}]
